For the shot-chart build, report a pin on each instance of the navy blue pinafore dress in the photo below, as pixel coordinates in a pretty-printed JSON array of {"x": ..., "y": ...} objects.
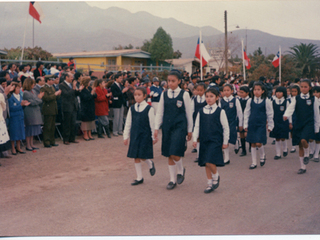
[
  {"x": 243, "y": 103},
  {"x": 281, "y": 128},
  {"x": 231, "y": 111},
  {"x": 303, "y": 128},
  {"x": 197, "y": 107},
  {"x": 141, "y": 145},
  {"x": 211, "y": 138},
  {"x": 174, "y": 126},
  {"x": 257, "y": 130}
]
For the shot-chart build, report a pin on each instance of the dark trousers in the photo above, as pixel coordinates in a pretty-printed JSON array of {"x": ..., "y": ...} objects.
[
  {"x": 49, "y": 124},
  {"x": 68, "y": 126}
]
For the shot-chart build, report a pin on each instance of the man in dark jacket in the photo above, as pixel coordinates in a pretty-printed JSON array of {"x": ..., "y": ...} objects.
[
  {"x": 69, "y": 107},
  {"x": 49, "y": 111},
  {"x": 39, "y": 71}
]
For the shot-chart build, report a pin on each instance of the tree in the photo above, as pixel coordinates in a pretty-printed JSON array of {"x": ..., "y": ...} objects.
[
  {"x": 306, "y": 58},
  {"x": 177, "y": 54},
  {"x": 146, "y": 45},
  {"x": 161, "y": 46},
  {"x": 29, "y": 53}
]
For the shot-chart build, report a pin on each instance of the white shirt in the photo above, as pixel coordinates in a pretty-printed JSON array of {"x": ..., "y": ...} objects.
[
  {"x": 269, "y": 112},
  {"x": 223, "y": 120},
  {"x": 127, "y": 128},
  {"x": 17, "y": 96},
  {"x": 292, "y": 106},
  {"x": 200, "y": 99},
  {"x": 187, "y": 104},
  {"x": 238, "y": 107}
]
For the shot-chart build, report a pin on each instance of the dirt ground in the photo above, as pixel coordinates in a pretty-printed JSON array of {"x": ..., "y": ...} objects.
[{"x": 84, "y": 190}]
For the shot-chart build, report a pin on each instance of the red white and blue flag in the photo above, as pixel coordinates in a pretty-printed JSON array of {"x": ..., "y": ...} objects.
[
  {"x": 246, "y": 59},
  {"x": 35, "y": 11},
  {"x": 204, "y": 54},
  {"x": 276, "y": 60}
]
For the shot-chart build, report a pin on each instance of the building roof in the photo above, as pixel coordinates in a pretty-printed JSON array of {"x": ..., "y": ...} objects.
[
  {"x": 136, "y": 53},
  {"x": 2, "y": 52}
]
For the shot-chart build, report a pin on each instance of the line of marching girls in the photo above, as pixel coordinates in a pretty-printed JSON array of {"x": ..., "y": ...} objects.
[{"x": 212, "y": 120}]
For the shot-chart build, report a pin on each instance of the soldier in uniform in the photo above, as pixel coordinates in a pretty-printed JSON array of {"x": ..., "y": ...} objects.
[{"x": 49, "y": 111}]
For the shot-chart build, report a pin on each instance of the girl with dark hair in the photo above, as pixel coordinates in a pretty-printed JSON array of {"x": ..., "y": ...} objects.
[
  {"x": 281, "y": 128},
  {"x": 212, "y": 129},
  {"x": 316, "y": 143},
  {"x": 306, "y": 124},
  {"x": 294, "y": 91},
  {"x": 232, "y": 107},
  {"x": 174, "y": 113},
  {"x": 139, "y": 127},
  {"x": 243, "y": 98},
  {"x": 258, "y": 111}
]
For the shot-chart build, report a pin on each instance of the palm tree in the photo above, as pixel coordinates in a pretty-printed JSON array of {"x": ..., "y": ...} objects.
[{"x": 306, "y": 58}]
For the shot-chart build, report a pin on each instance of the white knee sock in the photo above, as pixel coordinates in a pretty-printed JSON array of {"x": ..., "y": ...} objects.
[
  {"x": 215, "y": 177},
  {"x": 138, "y": 170},
  {"x": 226, "y": 154},
  {"x": 278, "y": 148},
  {"x": 301, "y": 163},
  {"x": 179, "y": 166},
  {"x": 209, "y": 182},
  {"x": 311, "y": 147},
  {"x": 198, "y": 149},
  {"x": 149, "y": 162},
  {"x": 316, "y": 151},
  {"x": 285, "y": 145},
  {"x": 254, "y": 155},
  {"x": 306, "y": 151},
  {"x": 262, "y": 153},
  {"x": 172, "y": 172}
]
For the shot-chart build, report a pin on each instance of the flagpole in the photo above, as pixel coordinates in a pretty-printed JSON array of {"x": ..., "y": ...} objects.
[
  {"x": 33, "y": 33},
  {"x": 201, "y": 74},
  {"x": 243, "y": 64},
  {"x": 280, "y": 65},
  {"x": 24, "y": 38}
]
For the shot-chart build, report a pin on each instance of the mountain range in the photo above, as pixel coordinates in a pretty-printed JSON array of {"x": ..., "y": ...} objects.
[{"x": 76, "y": 26}]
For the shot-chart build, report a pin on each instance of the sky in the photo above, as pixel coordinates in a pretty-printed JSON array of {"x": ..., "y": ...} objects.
[{"x": 297, "y": 19}]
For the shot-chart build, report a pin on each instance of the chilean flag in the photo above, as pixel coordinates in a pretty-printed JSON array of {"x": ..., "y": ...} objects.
[
  {"x": 246, "y": 59},
  {"x": 276, "y": 60},
  {"x": 205, "y": 55},
  {"x": 35, "y": 11}
]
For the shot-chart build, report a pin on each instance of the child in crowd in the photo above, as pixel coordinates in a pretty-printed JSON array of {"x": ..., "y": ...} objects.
[
  {"x": 211, "y": 127},
  {"x": 174, "y": 113},
  {"x": 306, "y": 124},
  {"x": 315, "y": 153},
  {"x": 244, "y": 96},
  {"x": 295, "y": 91},
  {"x": 281, "y": 128},
  {"x": 194, "y": 95},
  {"x": 233, "y": 109},
  {"x": 139, "y": 128},
  {"x": 258, "y": 111},
  {"x": 155, "y": 93},
  {"x": 197, "y": 103}
]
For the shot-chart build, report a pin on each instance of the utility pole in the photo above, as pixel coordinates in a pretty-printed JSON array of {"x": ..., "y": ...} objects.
[
  {"x": 246, "y": 40},
  {"x": 226, "y": 42}
]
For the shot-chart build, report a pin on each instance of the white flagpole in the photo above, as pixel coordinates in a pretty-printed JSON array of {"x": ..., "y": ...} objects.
[
  {"x": 243, "y": 64},
  {"x": 24, "y": 38},
  {"x": 201, "y": 74},
  {"x": 280, "y": 64}
]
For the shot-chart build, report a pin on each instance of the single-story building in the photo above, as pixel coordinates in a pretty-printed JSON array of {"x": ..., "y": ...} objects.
[{"x": 126, "y": 59}]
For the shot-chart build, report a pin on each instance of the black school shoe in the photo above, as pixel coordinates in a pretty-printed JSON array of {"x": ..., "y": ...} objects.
[
  {"x": 152, "y": 170},
  {"x": 136, "y": 182},
  {"x": 292, "y": 150},
  {"x": 226, "y": 163},
  {"x": 242, "y": 154},
  {"x": 180, "y": 178},
  {"x": 215, "y": 186},
  {"x": 209, "y": 189},
  {"x": 197, "y": 160},
  {"x": 305, "y": 160},
  {"x": 263, "y": 161},
  {"x": 302, "y": 171},
  {"x": 273, "y": 142},
  {"x": 171, "y": 185},
  {"x": 277, "y": 157},
  {"x": 252, "y": 166},
  {"x": 285, "y": 153},
  {"x": 194, "y": 150},
  {"x": 310, "y": 156}
]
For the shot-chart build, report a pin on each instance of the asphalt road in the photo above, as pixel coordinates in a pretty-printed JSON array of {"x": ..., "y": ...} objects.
[{"x": 84, "y": 189}]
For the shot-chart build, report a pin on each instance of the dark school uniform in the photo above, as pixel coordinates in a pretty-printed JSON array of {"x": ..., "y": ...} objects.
[
  {"x": 257, "y": 132},
  {"x": 174, "y": 127},
  {"x": 231, "y": 111},
  {"x": 243, "y": 103},
  {"x": 304, "y": 125},
  {"x": 197, "y": 106},
  {"x": 281, "y": 128},
  {"x": 211, "y": 138},
  {"x": 317, "y": 135},
  {"x": 157, "y": 93},
  {"x": 141, "y": 145}
]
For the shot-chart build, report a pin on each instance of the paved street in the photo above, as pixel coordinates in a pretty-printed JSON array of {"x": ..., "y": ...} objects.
[{"x": 84, "y": 189}]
